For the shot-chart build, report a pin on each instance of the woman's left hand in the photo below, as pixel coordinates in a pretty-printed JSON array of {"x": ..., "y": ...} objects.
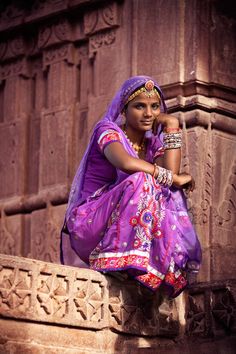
[
  {"x": 185, "y": 181},
  {"x": 166, "y": 120}
]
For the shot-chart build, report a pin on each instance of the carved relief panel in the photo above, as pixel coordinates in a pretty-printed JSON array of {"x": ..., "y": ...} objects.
[
  {"x": 43, "y": 292},
  {"x": 224, "y": 209},
  {"x": 211, "y": 310},
  {"x": 11, "y": 234},
  {"x": 44, "y": 228}
]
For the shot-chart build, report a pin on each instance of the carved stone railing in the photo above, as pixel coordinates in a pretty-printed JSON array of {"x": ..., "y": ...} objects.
[
  {"x": 44, "y": 292},
  {"x": 49, "y": 295}
]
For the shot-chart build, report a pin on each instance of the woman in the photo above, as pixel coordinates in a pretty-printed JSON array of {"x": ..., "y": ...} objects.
[{"x": 126, "y": 211}]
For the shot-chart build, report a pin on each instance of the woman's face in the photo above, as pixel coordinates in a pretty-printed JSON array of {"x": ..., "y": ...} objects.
[{"x": 142, "y": 111}]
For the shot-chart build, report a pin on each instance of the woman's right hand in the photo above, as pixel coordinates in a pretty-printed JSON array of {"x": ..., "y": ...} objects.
[{"x": 184, "y": 180}]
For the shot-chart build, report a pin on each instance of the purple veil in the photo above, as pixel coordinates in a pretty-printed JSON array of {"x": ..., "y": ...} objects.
[{"x": 113, "y": 114}]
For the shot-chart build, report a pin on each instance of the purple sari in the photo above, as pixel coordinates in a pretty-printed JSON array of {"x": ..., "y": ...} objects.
[{"x": 129, "y": 223}]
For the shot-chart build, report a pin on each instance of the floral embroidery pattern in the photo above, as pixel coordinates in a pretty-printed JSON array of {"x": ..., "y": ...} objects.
[
  {"x": 116, "y": 261},
  {"x": 114, "y": 216},
  {"x": 177, "y": 281},
  {"x": 147, "y": 222},
  {"x": 140, "y": 260},
  {"x": 150, "y": 280},
  {"x": 149, "y": 216},
  {"x": 108, "y": 136}
]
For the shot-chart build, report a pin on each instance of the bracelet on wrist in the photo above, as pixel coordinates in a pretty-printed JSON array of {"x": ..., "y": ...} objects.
[
  {"x": 172, "y": 140},
  {"x": 171, "y": 130},
  {"x": 155, "y": 171},
  {"x": 164, "y": 176}
]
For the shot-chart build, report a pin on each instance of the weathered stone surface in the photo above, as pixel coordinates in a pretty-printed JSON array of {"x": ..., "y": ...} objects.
[
  {"x": 45, "y": 227},
  {"x": 63, "y": 309},
  {"x": 45, "y": 292},
  {"x": 61, "y": 63},
  {"x": 27, "y": 337},
  {"x": 211, "y": 310},
  {"x": 151, "y": 13},
  {"x": 54, "y": 159},
  {"x": 11, "y": 155},
  {"x": 11, "y": 234}
]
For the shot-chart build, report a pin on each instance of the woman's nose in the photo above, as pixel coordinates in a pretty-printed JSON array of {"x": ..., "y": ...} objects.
[{"x": 148, "y": 112}]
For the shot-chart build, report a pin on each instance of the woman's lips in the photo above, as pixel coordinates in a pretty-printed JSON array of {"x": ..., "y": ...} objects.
[{"x": 147, "y": 122}]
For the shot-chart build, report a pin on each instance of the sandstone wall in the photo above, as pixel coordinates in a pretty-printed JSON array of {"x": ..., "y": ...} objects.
[{"x": 61, "y": 63}]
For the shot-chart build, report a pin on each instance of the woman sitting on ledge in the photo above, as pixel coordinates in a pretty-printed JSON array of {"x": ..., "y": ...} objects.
[{"x": 127, "y": 211}]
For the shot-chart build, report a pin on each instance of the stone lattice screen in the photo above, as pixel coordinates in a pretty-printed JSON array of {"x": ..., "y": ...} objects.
[{"x": 62, "y": 61}]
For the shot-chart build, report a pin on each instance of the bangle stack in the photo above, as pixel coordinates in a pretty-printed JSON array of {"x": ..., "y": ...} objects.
[
  {"x": 155, "y": 171},
  {"x": 164, "y": 176},
  {"x": 172, "y": 140}
]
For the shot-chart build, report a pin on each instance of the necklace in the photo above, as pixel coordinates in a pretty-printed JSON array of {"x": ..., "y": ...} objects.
[{"x": 136, "y": 147}]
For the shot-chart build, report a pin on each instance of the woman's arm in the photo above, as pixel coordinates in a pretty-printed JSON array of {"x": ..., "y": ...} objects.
[
  {"x": 172, "y": 157},
  {"x": 118, "y": 157}
]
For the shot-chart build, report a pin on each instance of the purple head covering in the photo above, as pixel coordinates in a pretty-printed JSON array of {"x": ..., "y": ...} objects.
[{"x": 112, "y": 115}]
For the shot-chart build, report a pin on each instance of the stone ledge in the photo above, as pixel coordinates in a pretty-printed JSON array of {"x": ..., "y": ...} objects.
[
  {"x": 50, "y": 308},
  {"x": 54, "y": 294},
  {"x": 20, "y": 337},
  {"x": 50, "y": 293}
]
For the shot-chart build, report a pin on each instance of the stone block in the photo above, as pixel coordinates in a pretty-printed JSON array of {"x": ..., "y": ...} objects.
[
  {"x": 105, "y": 46},
  {"x": 33, "y": 150},
  {"x": 56, "y": 294},
  {"x": 17, "y": 95},
  {"x": 39, "y": 86},
  {"x": 223, "y": 262},
  {"x": 149, "y": 12},
  {"x": 211, "y": 310},
  {"x": 204, "y": 274},
  {"x": 223, "y": 51},
  {"x": 49, "y": 293},
  {"x": 60, "y": 78},
  {"x": 11, "y": 229},
  {"x": 134, "y": 311},
  {"x": 54, "y": 145},
  {"x": 196, "y": 41},
  {"x": 197, "y": 160},
  {"x": 12, "y": 156},
  {"x": 45, "y": 227},
  {"x": 35, "y": 338},
  {"x": 224, "y": 194},
  {"x": 68, "y": 310},
  {"x": 37, "y": 230}
]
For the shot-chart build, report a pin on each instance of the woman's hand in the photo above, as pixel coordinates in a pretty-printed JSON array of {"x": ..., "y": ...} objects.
[
  {"x": 166, "y": 120},
  {"x": 184, "y": 180}
]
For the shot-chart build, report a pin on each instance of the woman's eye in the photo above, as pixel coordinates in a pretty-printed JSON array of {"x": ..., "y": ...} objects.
[
  {"x": 155, "y": 106},
  {"x": 139, "y": 106}
]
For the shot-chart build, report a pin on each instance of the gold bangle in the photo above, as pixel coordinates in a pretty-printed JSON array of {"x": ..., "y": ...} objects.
[
  {"x": 155, "y": 171},
  {"x": 172, "y": 130}
]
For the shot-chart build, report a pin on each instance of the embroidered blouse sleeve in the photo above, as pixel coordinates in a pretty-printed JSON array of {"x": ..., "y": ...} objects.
[
  {"x": 107, "y": 137},
  {"x": 159, "y": 152},
  {"x": 157, "y": 148}
]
